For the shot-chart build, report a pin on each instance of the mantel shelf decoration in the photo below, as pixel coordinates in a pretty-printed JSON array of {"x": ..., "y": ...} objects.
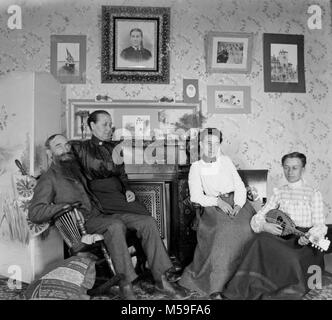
[{"x": 137, "y": 119}]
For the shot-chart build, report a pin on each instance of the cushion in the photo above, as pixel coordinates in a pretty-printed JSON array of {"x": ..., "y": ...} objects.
[{"x": 67, "y": 280}]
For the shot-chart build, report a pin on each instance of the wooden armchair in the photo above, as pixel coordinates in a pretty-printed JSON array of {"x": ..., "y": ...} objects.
[{"x": 70, "y": 223}]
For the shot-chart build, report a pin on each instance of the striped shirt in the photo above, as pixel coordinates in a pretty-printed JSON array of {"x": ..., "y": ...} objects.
[{"x": 302, "y": 203}]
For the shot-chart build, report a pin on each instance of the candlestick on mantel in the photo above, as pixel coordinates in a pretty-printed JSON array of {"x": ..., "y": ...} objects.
[{"x": 82, "y": 114}]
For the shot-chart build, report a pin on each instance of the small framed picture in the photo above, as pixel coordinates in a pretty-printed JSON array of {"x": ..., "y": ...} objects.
[
  {"x": 229, "y": 52},
  {"x": 190, "y": 90},
  {"x": 228, "y": 99},
  {"x": 137, "y": 126},
  {"x": 283, "y": 62},
  {"x": 68, "y": 58}
]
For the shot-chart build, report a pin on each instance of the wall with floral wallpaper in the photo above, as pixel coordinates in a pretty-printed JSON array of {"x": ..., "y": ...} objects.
[{"x": 278, "y": 122}]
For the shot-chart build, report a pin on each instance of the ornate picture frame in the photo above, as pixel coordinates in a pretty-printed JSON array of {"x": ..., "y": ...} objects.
[
  {"x": 229, "y": 52},
  {"x": 283, "y": 62},
  {"x": 68, "y": 58},
  {"x": 228, "y": 99},
  {"x": 135, "y": 44}
]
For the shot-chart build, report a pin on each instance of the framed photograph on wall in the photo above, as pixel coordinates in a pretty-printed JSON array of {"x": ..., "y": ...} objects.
[
  {"x": 283, "y": 63},
  {"x": 135, "y": 44},
  {"x": 229, "y": 52},
  {"x": 68, "y": 58},
  {"x": 228, "y": 99}
]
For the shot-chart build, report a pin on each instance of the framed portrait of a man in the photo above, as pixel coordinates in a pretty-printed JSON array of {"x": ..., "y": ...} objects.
[{"x": 135, "y": 44}]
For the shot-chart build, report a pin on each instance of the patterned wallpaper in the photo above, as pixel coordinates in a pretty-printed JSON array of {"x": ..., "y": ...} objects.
[{"x": 278, "y": 123}]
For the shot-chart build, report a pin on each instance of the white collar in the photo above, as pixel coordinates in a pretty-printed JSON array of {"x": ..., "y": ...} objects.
[{"x": 296, "y": 184}]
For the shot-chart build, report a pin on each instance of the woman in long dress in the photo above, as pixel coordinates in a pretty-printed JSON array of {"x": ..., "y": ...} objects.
[
  {"x": 224, "y": 227},
  {"x": 278, "y": 267},
  {"x": 104, "y": 168}
]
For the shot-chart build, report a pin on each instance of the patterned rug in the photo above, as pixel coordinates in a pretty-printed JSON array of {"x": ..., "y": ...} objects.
[{"x": 145, "y": 290}]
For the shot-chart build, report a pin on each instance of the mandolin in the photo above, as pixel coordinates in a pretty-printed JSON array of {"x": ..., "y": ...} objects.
[{"x": 288, "y": 227}]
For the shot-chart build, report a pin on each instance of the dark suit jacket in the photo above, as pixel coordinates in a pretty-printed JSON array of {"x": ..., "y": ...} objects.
[{"x": 54, "y": 190}]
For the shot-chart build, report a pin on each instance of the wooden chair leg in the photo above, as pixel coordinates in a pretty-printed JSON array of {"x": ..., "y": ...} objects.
[{"x": 107, "y": 256}]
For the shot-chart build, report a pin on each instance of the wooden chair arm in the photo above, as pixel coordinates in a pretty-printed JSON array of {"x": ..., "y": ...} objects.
[{"x": 66, "y": 208}]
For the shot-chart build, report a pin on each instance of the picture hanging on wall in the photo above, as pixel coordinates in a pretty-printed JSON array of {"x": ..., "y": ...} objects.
[
  {"x": 228, "y": 99},
  {"x": 229, "y": 52},
  {"x": 68, "y": 58},
  {"x": 190, "y": 90},
  {"x": 283, "y": 63},
  {"x": 135, "y": 44}
]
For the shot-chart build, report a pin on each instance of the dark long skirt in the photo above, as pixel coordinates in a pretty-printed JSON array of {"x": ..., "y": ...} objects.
[
  {"x": 109, "y": 192},
  {"x": 274, "y": 268},
  {"x": 221, "y": 242}
]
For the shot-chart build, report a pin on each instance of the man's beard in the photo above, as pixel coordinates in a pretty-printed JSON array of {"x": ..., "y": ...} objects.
[
  {"x": 64, "y": 158},
  {"x": 68, "y": 164}
]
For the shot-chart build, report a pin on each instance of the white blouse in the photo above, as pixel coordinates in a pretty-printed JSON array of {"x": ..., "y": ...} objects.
[{"x": 208, "y": 180}]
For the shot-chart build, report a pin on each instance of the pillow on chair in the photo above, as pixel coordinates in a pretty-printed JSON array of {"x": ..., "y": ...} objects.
[{"x": 68, "y": 280}]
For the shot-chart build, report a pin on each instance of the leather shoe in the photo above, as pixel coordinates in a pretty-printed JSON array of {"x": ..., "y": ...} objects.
[
  {"x": 174, "y": 290},
  {"x": 172, "y": 275},
  {"x": 218, "y": 296},
  {"x": 127, "y": 292}
]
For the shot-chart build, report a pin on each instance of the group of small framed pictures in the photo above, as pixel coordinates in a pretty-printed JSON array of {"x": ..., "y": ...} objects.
[
  {"x": 147, "y": 29},
  {"x": 227, "y": 52}
]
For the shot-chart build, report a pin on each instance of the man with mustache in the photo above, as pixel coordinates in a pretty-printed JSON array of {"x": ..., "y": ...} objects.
[{"x": 63, "y": 184}]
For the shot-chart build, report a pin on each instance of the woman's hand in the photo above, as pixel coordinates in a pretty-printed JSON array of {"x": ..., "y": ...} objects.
[
  {"x": 224, "y": 206},
  {"x": 236, "y": 210},
  {"x": 130, "y": 196},
  {"x": 272, "y": 228},
  {"x": 303, "y": 241}
]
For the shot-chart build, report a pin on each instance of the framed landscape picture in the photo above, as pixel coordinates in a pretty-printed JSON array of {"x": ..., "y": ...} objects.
[
  {"x": 135, "y": 44},
  {"x": 68, "y": 58},
  {"x": 228, "y": 99},
  {"x": 229, "y": 52},
  {"x": 283, "y": 63}
]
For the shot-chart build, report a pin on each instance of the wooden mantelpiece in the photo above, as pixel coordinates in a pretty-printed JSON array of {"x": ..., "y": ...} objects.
[
  {"x": 174, "y": 179},
  {"x": 153, "y": 171}
]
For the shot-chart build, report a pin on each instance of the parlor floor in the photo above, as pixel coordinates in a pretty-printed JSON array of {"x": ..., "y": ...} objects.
[{"x": 145, "y": 291}]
